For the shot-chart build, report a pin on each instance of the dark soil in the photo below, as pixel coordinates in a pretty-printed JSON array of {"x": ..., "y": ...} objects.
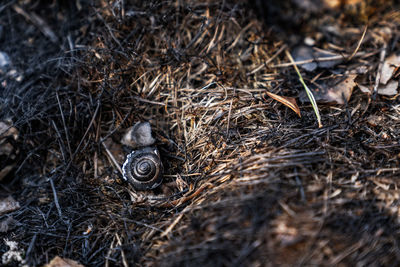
[{"x": 247, "y": 182}]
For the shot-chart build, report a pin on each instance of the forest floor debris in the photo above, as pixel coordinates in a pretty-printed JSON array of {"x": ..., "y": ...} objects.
[{"x": 247, "y": 181}]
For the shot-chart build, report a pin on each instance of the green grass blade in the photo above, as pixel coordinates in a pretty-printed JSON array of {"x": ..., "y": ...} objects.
[{"x": 308, "y": 91}]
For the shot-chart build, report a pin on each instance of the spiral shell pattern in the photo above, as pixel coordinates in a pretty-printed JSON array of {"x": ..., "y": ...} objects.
[{"x": 143, "y": 168}]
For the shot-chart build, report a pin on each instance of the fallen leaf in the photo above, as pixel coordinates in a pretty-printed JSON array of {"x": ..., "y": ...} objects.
[
  {"x": 61, "y": 262},
  {"x": 8, "y": 204},
  {"x": 290, "y": 102},
  {"x": 341, "y": 92},
  {"x": 388, "y": 68},
  {"x": 321, "y": 55},
  {"x": 340, "y": 3},
  {"x": 317, "y": 57},
  {"x": 332, "y": 3},
  {"x": 315, "y": 6},
  {"x": 389, "y": 89},
  {"x": 364, "y": 89},
  {"x": 333, "y": 91},
  {"x": 302, "y": 53}
]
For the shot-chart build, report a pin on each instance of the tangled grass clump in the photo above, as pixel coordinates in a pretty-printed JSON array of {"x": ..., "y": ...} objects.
[{"x": 246, "y": 182}]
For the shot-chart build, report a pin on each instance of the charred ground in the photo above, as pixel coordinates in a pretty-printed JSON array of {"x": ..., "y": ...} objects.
[{"x": 247, "y": 182}]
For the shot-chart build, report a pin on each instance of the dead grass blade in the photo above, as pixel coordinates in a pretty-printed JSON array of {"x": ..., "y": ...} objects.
[
  {"x": 359, "y": 43},
  {"x": 290, "y": 102}
]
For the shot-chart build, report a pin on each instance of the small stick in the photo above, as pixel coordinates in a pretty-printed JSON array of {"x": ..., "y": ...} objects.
[
  {"x": 109, "y": 252},
  {"x": 31, "y": 244},
  {"x": 64, "y": 124},
  {"x": 283, "y": 47},
  {"x": 56, "y": 198},
  {"x": 190, "y": 196},
  {"x": 95, "y": 164},
  {"x": 175, "y": 222},
  {"x": 320, "y": 59},
  {"x": 38, "y": 22},
  {"x": 359, "y": 43},
  {"x": 84, "y": 136},
  {"x": 229, "y": 119},
  {"x": 88, "y": 128},
  {"x": 59, "y": 140},
  {"x": 124, "y": 261},
  {"x": 112, "y": 158}
]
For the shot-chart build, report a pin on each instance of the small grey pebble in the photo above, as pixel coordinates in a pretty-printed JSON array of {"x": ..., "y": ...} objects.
[
  {"x": 139, "y": 135},
  {"x": 5, "y": 61}
]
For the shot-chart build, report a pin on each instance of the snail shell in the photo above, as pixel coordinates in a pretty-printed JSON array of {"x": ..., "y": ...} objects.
[{"x": 143, "y": 168}]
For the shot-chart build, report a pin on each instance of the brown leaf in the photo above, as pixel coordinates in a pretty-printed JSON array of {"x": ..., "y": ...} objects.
[
  {"x": 290, "y": 102},
  {"x": 389, "y": 89},
  {"x": 61, "y": 262},
  {"x": 388, "y": 68},
  {"x": 364, "y": 89},
  {"x": 342, "y": 91},
  {"x": 339, "y": 3},
  {"x": 334, "y": 91}
]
